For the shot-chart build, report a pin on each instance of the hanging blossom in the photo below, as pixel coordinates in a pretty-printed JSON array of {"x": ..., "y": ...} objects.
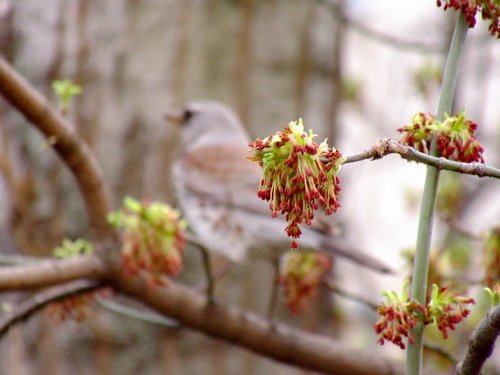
[
  {"x": 153, "y": 239},
  {"x": 446, "y": 309},
  {"x": 298, "y": 175},
  {"x": 455, "y": 137},
  {"x": 300, "y": 276},
  {"x": 490, "y": 10}
]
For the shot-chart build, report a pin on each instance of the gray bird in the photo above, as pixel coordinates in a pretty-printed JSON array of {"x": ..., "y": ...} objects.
[{"x": 216, "y": 186}]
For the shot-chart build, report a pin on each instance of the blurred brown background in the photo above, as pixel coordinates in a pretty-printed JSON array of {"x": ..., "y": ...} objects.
[{"x": 353, "y": 70}]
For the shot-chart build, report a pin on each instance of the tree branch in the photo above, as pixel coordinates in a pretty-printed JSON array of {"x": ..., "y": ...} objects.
[
  {"x": 247, "y": 330},
  {"x": 387, "y": 146},
  {"x": 481, "y": 344},
  {"x": 50, "y": 272},
  {"x": 190, "y": 309},
  {"x": 43, "y": 298},
  {"x": 70, "y": 148}
]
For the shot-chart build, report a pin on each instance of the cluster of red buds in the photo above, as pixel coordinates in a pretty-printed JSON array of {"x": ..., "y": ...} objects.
[
  {"x": 492, "y": 257},
  {"x": 398, "y": 317},
  {"x": 300, "y": 276},
  {"x": 490, "y": 10},
  {"x": 298, "y": 175},
  {"x": 153, "y": 239},
  {"x": 75, "y": 307},
  {"x": 446, "y": 309},
  {"x": 455, "y": 137}
]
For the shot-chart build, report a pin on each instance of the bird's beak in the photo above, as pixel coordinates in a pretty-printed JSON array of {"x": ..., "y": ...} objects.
[{"x": 174, "y": 116}]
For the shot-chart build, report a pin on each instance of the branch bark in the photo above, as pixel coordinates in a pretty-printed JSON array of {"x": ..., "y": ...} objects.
[
  {"x": 190, "y": 309},
  {"x": 70, "y": 148},
  {"x": 51, "y": 272},
  {"x": 388, "y": 146},
  {"x": 261, "y": 336},
  {"x": 481, "y": 344}
]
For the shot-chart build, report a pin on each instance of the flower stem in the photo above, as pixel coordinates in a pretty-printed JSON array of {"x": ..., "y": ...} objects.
[{"x": 421, "y": 263}]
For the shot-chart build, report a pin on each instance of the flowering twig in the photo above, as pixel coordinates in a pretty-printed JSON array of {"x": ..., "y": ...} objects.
[
  {"x": 388, "y": 146},
  {"x": 42, "y": 299}
]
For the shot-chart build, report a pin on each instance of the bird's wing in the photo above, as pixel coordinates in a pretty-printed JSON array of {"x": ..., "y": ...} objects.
[{"x": 232, "y": 183}]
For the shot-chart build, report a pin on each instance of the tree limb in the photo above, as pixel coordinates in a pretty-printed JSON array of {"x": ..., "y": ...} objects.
[
  {"x": 43, "y": 298},
  {"x": 388, "y": 146},
  {"x": 50, "y": 272},
  {"x": 70, "y": 148},
  {"x": 481, "y": 344},
  {"x": 247, "y": 330}
]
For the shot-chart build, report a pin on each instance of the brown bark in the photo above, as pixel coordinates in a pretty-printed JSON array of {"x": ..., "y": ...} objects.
[{"x": 71, "y": 150}]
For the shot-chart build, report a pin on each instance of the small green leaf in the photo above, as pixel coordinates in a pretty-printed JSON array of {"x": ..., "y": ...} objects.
[
  {"x": 65, "y": 90},
  {"x": 70, "y": 248},
  {"x": 494, "y": 296}
]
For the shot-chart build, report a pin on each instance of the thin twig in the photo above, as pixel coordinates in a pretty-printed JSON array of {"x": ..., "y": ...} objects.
[
  {"x": 330, "y": 284},
  {"x": 388, "y": 146},
  {"x": 438, "y": 349},
  {"x": 145, "y": 316},
  {"x": 43, "y": 298}
]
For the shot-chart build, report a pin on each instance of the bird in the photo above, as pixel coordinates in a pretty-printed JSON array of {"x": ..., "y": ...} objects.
[{"x": 216, "y": 187}]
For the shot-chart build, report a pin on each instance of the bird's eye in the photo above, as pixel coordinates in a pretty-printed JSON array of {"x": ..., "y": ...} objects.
[{"x": 187, "y": 115}]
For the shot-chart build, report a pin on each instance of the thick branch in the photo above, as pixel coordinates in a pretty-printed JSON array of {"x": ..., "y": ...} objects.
[
  {"x": 50, "y": 272},
  {"x": 481, "y": 344},
  {"x": 261, "y": 336},
  {"x": 43, "y": 298},
  {"x": 70, "y": 148},
  {"x": 389, "y": 146}
]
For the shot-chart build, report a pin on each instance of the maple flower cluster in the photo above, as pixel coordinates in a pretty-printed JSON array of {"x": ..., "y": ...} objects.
[
  {"x": 298, "y": 175},
  {"x": 455, "y": 137},
  {"x": 153, "y": 239},
  {"x": 492, "y": 257},
  {"x": 75, "y": 307},
  {"x": 398, "y": 316},
  {"x": 490, "y": 10},
  {"x": 446, "y": 309},
  {"x": 300, "y": 276}
]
